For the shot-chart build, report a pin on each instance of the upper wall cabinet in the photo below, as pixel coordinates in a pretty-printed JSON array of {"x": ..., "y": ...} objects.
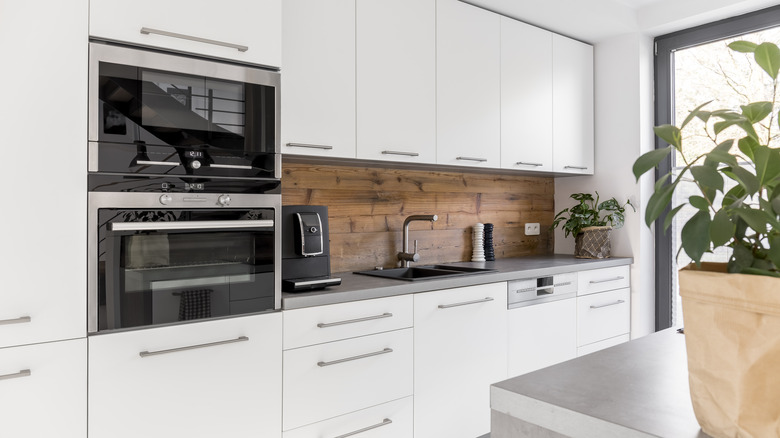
[
  {"x": 572, "y": 106},
  {"x": 231, "y": 29},
  {"x": 396, "y": 80},
  {"x": 318, "y": 80},
  {"x": 526, "y": 96},
  {"x": 468, "y": 86}
]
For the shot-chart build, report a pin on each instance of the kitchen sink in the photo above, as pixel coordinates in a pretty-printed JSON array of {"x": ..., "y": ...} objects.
[{"x": 424, "y": 272}]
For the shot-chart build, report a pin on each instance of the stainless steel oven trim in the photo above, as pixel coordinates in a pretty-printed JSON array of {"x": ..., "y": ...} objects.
[
  {"x": 101, "y": 52},
  {"x": 98, "y": 200}
]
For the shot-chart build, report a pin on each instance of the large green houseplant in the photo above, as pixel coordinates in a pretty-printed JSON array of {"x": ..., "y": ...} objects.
[{"x": 731, "y": 311}]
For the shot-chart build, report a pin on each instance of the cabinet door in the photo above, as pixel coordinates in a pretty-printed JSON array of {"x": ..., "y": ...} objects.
[
  {"x": 526, "y": 96},
  {"x": 44, "y": 237},
  {"x": 468, "y": 60},
  {"x": 603, "y": 315},
  {"x": 396, "y": 80},
  {"x": 460, "y": 349},
  {"x": 318, "y": 82},
  {"x": 228, "y": 385},
  {"x": 389, "y": 420},
  {"x": 542, "y": 335},
  {"x": 43, "y": 390},
  {"x": 572, "y": 106},
  {"x": 202, "y": 27}
]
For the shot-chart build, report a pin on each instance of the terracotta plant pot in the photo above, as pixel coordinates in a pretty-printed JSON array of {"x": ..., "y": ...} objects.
[
  {"x": 593, "y": 243},
  {"x": 732, "y": 336}
]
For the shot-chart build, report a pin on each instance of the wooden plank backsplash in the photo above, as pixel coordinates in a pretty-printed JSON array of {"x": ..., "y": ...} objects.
[{"x": 367, "y": 207}]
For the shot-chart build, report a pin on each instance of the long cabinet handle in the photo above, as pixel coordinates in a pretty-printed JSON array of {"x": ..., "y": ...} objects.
[
  {"x": 191, "y": 225},
  {"x": 193, "y": 347},
  {"x": 384, "y": 422},
  {"x": 408, "y": 154},
  {"x": 19, "y": 320},
  {"x": 147, "y": 31},
  {"x": 576, "y": 167},
  {"x": 481, "y": 160},
  {"x": 349, "y": 359},
  {"x": 465, "y": 303},
  {"x": 607, "y": 305},
  {"x": 352, "y": 321},
  {"x": 607, "y": 280},
  {"x": 22, "y": 373},
  {"x": 310, "y": 146},
  {"x": 525, "y": 163},
  {"x": 157, "y": 163},
  {"x": 231, "y": 166}
]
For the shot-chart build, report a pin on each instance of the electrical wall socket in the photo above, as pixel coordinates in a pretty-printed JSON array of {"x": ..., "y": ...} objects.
[{"x": 532, "y": 229}]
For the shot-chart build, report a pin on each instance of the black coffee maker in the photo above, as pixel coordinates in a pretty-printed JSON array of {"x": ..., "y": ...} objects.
[{"x": 305, "y": 248}]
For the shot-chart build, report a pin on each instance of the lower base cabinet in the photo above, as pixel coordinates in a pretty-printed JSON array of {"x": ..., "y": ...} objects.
[
  {"x": 43, "y": 390},
  {"x": 220, "y": 378},
  {"x": 542, "y": 335},
  {"x": 388, "y": 420}
]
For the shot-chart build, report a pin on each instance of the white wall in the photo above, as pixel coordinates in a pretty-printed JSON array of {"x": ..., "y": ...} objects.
[{"x": 623, "y": 131}]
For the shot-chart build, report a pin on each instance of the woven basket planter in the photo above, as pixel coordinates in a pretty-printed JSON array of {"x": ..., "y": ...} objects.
[{"x": 593, "y": 243}]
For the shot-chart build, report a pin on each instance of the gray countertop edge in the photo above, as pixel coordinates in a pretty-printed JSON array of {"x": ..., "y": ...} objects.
[{"x": 355, "y": 287}]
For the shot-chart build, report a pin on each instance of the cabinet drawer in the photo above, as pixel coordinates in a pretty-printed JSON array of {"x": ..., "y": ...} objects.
[
  {"x": 389, "y": 420},
  {"x": 600, "y": 345},
  {"x": 604, "y": 315},
  {"x": 316, "y": 325},
  {"x": 600, "y": 280},
  {"x": 327, "y": 380}
]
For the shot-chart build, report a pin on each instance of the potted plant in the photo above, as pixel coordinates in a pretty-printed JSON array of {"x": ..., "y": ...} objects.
[
  {"x": 731, "y": 311},
  {"x": 591, "y": 223}
]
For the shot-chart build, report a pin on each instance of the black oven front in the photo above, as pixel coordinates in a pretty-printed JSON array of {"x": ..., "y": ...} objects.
[{"x": 160, "y": 257}]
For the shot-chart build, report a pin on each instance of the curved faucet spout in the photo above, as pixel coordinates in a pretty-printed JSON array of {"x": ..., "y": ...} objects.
[{"x": 406, "y": 256}]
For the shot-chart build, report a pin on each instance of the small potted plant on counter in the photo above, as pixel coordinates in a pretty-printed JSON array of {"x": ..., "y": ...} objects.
[
  {"x": 591, "y": 223},
  {"x": 731, "y": 311}
]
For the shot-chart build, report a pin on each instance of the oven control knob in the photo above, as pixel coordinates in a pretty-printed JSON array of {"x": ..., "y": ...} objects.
[
  {"x": 224, "y": 200},
  {"x": 165, "y": 199},
  {"x": 195, "y": 164}
]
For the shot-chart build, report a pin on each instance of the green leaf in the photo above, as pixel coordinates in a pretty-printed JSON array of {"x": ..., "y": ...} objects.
[
  {"x": 768, "y": 57},
  {"x": 695, "y": 113},
  {"x": 704, "y": 116},
  {"x": 707, "y": 176},
  {"x": 721, "y": 150},
  {"x": 723, "y": 125},
  {"x": 661, "y": 181},
  {"x": 756, "y": 111},
  {"x": 670, "y": 216},
  {"x": 748, "y": 128},
  {"x": 734, "y": 196},
  {"x": 743, "y": 46},
  {"x": 755, "y": 219},
  {"x": 776, "y": 205},
  {"x": 650, "y": 160},
  {"x": 747, "y": 145},
  {"x": 695, "y": 236},
  {"x": 658, "y": 202},
  {"x": 741, "y": 259},
  {"x": 774, "y": 250},
  {"x": 743, "y": 177},
  {"x": 767, "y": 163},
  {"x": 718, "y": 155},
  {"x": 699, "y": 202},
  {"x": 721, "y": 228},
  {"x": 670, "y": 134},
  {"x": 755, "y": 271}
]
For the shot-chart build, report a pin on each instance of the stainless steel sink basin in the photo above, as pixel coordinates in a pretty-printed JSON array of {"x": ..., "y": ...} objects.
[{"x": 424, "y": 272}]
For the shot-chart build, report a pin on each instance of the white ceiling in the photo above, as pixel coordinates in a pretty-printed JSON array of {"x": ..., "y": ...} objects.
[{"x": 596, "y": 20}]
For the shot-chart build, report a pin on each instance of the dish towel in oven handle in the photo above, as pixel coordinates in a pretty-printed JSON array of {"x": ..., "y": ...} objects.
[{"x": 195, "y": 304}]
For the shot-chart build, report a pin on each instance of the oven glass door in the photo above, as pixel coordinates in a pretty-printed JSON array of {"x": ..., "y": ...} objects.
[{"x": 167, "y": 266}]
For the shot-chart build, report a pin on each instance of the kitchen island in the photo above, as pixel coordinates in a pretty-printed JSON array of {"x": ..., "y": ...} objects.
[{"x": 636, "y": 389}]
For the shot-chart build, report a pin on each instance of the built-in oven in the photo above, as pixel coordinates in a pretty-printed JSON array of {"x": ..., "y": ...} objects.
[
  {"x": 160, "y": 113},
  {"x": 168, "y": 249}
]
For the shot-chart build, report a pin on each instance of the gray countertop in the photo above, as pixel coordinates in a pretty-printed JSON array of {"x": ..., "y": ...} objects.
[
  {"x": 636, "y": 389},
  {"x": 356, "y": 287}
]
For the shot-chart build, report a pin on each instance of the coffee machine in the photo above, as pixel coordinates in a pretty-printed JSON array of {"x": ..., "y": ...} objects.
[{"x": 305, "y": 248}]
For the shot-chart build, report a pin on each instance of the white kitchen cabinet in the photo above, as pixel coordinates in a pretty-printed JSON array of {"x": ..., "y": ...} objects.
[
  {"x": 388, "y": 420},
  {"x": 604, "y": 279},
  {"x": 396, "y": 80},
  {"x": 318, "y": 80},
  {"x": 468, "y": 59},
  {"x": 572, "y": 106},
  {"x": 542, "y": 335},
  {"x": 43, "y": 390},
  {"x": 212, "y": 378},
  {"x": 44, "y": 239},
  {"x": 526, "y": 96},
  {"x": 603, "y": 308},
  {"x": 230, "y": 29},
  {"x": 460, "y": 349}
]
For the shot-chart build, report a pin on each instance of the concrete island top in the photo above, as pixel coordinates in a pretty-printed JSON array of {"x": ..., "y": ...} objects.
[{"x": 356, "y": 287}]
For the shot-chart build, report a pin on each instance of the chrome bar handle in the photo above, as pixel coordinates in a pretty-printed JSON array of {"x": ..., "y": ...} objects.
[
  {"x": 481, "y": 160},
  {"x": 231, "y": 166},
  {"x": 465, "y": 303},
  {"x": 408, "y": 154},
  {"x": 524, "y": 163},
  {"x": 607, "y": 305},
  {"x": 384, "y": 422},
  {"x": 193, "y": 347},
  {"x": 147, "y": 31},
  {"x": 576, "y": 167},
  {"x": 157, "y": 163},
  {"x": 21, "y": 373},
  {"x": 352, "y": 321},
  {"x": 20, "y": 320},
  {"x": 607, "y": 280},
  {"x": 349, "y": 359},
  {"x": 310, "y": 146},
  {"x": 191, "y": 225}
]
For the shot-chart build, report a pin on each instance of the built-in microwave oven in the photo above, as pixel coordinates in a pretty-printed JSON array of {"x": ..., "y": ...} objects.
[{"x": 153, "y": 112}]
